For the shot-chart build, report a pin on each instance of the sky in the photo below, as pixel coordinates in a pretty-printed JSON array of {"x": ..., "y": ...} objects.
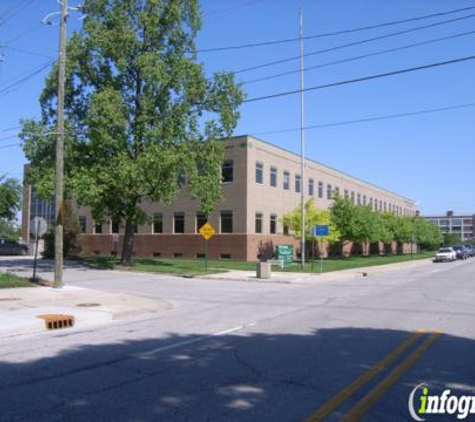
[{"x": 426, "y": 157}]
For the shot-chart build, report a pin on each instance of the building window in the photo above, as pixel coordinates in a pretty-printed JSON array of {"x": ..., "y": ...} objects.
[
  {"x": 226, "y": 221},
  {"x": 273, "y": 224},
  {"x": 385, "y": 206},
  {"x": 115, "y": 225},
  {"x": 181, "y": 179},
  {"x": 286, "y": 229},
  {"x": 337, "y": 191},
  {"x": 329, "y": 191},
  {"x": 352, "y": 197},
  {"x": 98, "y": 227},
  {"x": 371, "y": 203},
  {"x": 157, "y": 223},
  {"x": 200, "y": 221},
  {"x": 259, "y": 173},
  {"x": 224, "y": 256},
  {"x": 320, "y": 189},
  {"x": 286, "y": 180},
  {"x": 358, "y": 199},
  {"x": 298, "y": 183},
  {"x": 310, "y": 187},
  {"x": 82, "y": 224},
  {"x": 273, "y": 177},
  {"x": 258, "y": 222},
  {"x": 347, "y": 194},
  {"x": 227, "y": 171},
  {"x": 380, "y": 205},
  {"x": 364, "y": 200},
  {"x": 178, "y": 222}
]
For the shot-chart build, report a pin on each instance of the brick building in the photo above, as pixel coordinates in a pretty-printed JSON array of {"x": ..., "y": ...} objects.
[
  {"x": 461, "y": 224},
  {"x": 261, "y": 182}
]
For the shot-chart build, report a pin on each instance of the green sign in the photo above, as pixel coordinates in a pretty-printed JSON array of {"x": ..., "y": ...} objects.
[{"x": 285, "y": 252}]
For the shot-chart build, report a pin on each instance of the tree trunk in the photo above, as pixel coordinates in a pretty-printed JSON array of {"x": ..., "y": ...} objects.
[{"x": 128, "y": 243}]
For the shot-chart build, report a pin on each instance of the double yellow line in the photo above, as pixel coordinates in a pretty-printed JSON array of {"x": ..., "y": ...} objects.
[{"x": 360, "y": 408}]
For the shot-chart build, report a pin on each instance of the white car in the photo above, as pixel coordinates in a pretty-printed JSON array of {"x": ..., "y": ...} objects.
[{"x": 445, "y": 254}]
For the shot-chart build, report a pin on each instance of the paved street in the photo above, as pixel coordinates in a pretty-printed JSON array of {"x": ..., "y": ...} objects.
[{"x": 249, "y": 351}]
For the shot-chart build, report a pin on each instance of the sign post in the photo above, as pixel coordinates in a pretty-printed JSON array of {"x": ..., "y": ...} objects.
[
  {"x": 321, "y": 232},
  {"x": 38, "y": 228},
  {"x": 207, "y": 231}
]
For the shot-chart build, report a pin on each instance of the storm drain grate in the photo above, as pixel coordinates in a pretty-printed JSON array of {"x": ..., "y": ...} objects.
[{"x": 57, "y": 321}]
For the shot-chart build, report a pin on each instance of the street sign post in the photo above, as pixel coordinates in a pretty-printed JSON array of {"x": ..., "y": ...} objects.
[
  {"x": 207, "y": 231},
  {"x": 38, "y": 227},
  {"x": 321, "y": 231}
]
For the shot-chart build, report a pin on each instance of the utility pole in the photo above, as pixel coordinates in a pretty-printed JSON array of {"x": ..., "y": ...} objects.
[
  {"x": 59, "y": 176},
  {"x": 302, "y": 143}
]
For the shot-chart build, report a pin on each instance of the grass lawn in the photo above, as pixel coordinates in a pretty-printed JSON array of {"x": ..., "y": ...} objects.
[
  {"x": 8, "y": 280},
  {"x": 196, "y": 267}
]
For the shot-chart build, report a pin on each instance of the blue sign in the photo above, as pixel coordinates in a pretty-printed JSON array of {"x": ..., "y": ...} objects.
[{"x": 322, "y": 231}]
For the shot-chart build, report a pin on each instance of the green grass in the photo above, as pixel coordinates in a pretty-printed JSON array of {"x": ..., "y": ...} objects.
[
  {"x": 8, "y": 280},
  {"x": 196, "y": 267}
]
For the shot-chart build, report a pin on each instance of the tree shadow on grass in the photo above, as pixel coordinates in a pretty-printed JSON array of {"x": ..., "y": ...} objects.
[{"x": 233, "y": 377}]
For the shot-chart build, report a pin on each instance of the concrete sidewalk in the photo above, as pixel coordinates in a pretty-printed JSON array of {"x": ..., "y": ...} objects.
[
  {"x": 306, "y": 278},
  {"x": 20, "y": 307}
]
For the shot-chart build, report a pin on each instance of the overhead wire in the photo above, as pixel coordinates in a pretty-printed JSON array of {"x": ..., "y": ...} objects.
[
  {"x": 334, "y": 33},
  {"x": 371, "y": 119},
  {"x": 352, "y": 44},
  {"x": 360, "y": 57},
  {"x": 4, "y": 91},
  {"x": 363, "y": 79}
]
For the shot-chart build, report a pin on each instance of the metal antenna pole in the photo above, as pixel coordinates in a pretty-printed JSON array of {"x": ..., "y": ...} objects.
[
  {"x": 58, "y": 234},
  {"x": 302, "y": 143}
]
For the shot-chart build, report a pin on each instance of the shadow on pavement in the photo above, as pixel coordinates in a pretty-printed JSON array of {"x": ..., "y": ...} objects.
[{"x": 233, "y": 377}]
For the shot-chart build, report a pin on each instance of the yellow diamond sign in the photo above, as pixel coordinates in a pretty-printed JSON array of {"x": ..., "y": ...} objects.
[{"x": 207, "y": 231}]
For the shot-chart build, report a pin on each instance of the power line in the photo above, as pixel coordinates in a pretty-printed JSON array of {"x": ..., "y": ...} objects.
[
  {"x": 352, "y": 44},
  {"x": 360, "y": 57},
  {"x": 372, "y": 119},
  {"x": 7, "y": 89},
  {"x": 21, "y": 50},
  {"x": 10, "y": 145},
  {"x": 22, "y": 34},
  {"x": 17, "y": 8},
  {"x": 365, "y": 78},
  {"x": 330, "y": 34},
  {"x": 238, "y": 6}
]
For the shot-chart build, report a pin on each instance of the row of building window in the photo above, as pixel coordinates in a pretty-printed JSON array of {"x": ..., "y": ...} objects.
[
  {"x": 225, "y": 220},
  {"x": 358, "y": 199}
]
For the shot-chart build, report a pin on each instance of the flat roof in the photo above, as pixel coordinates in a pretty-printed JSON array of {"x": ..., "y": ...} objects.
[{"x": 324, "y": 165}]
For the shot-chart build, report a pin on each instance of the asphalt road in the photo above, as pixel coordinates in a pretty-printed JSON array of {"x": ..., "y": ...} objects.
[{"x": 249, "y": 351}]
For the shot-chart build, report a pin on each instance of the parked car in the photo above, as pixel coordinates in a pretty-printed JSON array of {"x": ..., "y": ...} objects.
[
  {"x": 471, "y": 250},
  {"x": 12, "y": 247},
  {"x": 445, "y": 254},
  {"x": 461, "y": 251}
]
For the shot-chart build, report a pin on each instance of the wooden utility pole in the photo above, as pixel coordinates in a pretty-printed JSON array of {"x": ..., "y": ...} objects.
[
  {"x": 302, "y": 144},
  {"x": 59, "y": 176}
]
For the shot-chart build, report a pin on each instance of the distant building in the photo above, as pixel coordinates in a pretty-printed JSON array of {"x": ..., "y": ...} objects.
[
  {"x": 34, "y": 206},
  {"x": 458, "y": 224},
  {"x": 260, "y": 183}
]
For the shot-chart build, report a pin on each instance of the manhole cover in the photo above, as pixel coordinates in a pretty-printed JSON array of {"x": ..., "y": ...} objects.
[
  {"x": 57, "y": 321},
  {"x": 88, "y": 304},
  {"x": 5, "y": 299}
]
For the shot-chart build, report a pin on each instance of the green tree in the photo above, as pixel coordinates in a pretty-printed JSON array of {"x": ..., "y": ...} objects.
[
  {"x": 10, "y": 197},
  {"x": 8, "y": 230},
  {"x": 450, "y": 239},
  {"x": 426, "y": 234},
  {"x": 140, "y": 111},
  {"x": 72, "y": 244},
  {"x": 313, "y": 217}
]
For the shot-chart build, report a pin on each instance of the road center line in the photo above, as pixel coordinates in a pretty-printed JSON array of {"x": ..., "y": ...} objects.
[
  {"x": 357, "y": 411},
  {"x": 380, "y": 366}
]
